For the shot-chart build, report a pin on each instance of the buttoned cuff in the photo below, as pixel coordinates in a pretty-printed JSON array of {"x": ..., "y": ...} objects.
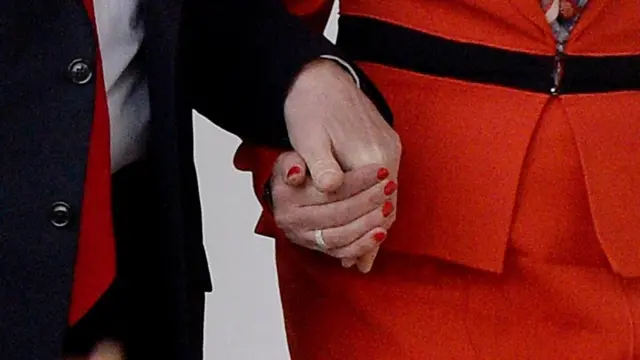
[{"x": 346, "y": 66}]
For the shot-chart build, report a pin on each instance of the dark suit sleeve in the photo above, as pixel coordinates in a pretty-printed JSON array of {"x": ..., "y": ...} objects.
[{"x": 240, "y": 58}]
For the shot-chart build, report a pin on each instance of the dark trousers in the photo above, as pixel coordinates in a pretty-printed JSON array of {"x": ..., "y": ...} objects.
[{"x": 128, "y": 312}]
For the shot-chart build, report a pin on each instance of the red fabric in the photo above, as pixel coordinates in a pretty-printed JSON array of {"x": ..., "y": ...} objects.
[
  {"x": 95, "y": 264},
  {"x": 479, "y": 203},
  {"x": 260, "y": 159},
  {"x": 314, "y": 13}
]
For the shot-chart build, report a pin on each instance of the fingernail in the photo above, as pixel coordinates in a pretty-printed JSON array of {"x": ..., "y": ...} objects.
[
  {"x": 379, "y": 236},
  {"x": 383, "y": 173},
  {"x": 387, "y": 208},
  {"x": 390, "y": 188},
  {"x": 329, "y": 180},
  {"x": 295, "y": 170}
]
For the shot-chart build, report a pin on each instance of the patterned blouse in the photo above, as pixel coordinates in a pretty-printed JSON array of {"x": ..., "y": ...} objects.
[{"x": 562, "y": 16}]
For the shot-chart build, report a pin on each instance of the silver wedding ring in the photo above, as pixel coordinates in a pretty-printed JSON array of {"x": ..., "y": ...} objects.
[{"x": 319, "y": 240}]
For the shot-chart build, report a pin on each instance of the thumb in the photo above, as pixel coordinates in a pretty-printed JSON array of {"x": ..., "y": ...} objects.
[
  {"x": 293, "y": 170},
  {"x": 325, "y": 170}
]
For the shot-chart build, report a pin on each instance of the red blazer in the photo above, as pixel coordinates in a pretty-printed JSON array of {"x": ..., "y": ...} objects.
[{"x": 461, "y": 162}]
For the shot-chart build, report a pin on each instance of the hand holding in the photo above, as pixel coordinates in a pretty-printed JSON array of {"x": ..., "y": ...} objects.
[
  {"x": 335, "y": 128},
  {"x": 352, "y": 220}
]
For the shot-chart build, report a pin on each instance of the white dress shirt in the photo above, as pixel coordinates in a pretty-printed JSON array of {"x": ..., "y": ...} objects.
[{"x": 120, "y": 34}]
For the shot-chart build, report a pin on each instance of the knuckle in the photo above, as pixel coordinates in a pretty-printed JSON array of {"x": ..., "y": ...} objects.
[
  {"x": 393, "y": 137},
  {"x": 337, "y": 240},
  {"x": 340, "y": 253},
  {"x": 281, "y": 157},
  {"x": 280, "y": 162},
  {"x": 389, "y": 221},
  {"x": 310, "y": 244},
  {"x": 278, "y": 192},
  {"x": 283, "y": 219},
  {"x": 291, "y": 237},
  {"x": 368, "y": 222},
  {"x": 340, "y": 216},
  {"x": 328, "y": 235},
  {"x": 356, "y": 250},
  {"x": 375, "y": 197},
  {"x": 363, "y": 248},
  {"x": 395, "y": 142},
  {"x": 398, "y": 149},
  {"x": 298, "y": 238},
  {"x": 332, "y": 243},
  {"x": 333, "y": 196},
  {"x": 375, "y": 219},
  {"x": 280, "y": 220}
]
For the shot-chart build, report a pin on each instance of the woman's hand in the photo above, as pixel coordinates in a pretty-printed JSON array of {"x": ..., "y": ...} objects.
[
  {"x": 347, "y": 223},
  {"x": 335, "y": 127}
]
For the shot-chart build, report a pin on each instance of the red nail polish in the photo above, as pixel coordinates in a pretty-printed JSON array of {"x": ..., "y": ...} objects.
[
  {"x": 387, "y": 208},
  {"x": 390, "y": 188},
  {"x": 379, "y": 236},
  {"x": 295, "y": 170},
  {"x": 383, "y": 173}
]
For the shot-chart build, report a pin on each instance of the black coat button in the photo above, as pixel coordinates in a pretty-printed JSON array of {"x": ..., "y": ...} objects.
[
  {"x": 79, "y": 72},
  {"x": 60, "y": 215}
]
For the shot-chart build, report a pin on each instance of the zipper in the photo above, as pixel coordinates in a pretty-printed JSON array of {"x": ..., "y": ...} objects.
[
  {"x": 558, "y": 69},
  {"x": 560, "y": 57}
]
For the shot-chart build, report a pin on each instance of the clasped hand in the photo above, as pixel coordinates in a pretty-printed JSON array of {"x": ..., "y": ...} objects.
[
  {"x": 352, "y": 156},
  {"x": 353, "y": 219}
]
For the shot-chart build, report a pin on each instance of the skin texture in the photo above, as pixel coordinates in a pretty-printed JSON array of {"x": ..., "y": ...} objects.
[
  {"x": 104, "y": 351},
  {"x": 354, "y": 218},
  {"x": 345, "y": 133}
]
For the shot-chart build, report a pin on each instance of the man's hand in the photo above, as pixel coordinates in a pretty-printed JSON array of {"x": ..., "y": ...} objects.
[
  {"x": 353, "y": 219},
  {"x": 335, "y": 128}
]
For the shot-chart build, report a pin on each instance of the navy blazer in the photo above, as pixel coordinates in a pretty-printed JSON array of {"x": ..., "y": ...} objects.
[{"x": 233, "y": 61}]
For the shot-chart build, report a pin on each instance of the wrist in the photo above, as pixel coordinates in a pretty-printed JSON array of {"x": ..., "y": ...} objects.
[
  {"x": 317, "y": 79},
  {"x": 321, "y": 71},
  {"x": 345, "y": 66}
]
